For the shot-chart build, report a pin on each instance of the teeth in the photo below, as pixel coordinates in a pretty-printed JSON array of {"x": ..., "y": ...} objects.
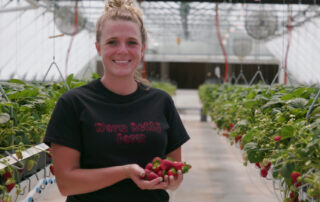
[{"x": 126, "y": 61}]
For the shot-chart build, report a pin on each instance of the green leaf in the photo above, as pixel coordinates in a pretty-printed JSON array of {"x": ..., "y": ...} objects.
[
  {"x": 287, "y": 169},
  {"x": 17, "y": 81},
  {"x": 248, "y": 136},
  {"x": 287, "y": 132},
  {"x": 250, "y": 146},
  {"x": 298, "y": 103},
  {"x": 69, "y": 79},
  {"x": 4, "y": 117}
]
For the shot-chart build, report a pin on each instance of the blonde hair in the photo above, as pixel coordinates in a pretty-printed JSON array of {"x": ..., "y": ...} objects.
[{"x": 123, "y": 10}]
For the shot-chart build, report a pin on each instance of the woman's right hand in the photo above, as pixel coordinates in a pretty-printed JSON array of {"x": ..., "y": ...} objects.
[{"x": 137, "y": 174}]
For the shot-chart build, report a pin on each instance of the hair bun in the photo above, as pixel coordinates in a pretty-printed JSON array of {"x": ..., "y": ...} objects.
[{"x": 119, "y": 4}]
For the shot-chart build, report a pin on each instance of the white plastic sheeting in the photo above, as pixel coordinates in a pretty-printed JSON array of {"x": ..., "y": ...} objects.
[
  {"x": 304, "y": 52},
  {"x": 26, "y": 51}
]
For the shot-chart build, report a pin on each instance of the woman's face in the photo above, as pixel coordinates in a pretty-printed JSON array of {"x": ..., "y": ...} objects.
[{"x": 120, "y": 48}]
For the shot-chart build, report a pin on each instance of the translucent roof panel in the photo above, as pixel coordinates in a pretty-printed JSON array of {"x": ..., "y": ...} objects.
[
  {"x": 27, "y": 50},
  {"x": 26, "y": 47}
]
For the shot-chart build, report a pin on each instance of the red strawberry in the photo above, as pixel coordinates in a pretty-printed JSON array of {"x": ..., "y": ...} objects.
[
  {"x": 152, "y": 176},
  {"x": 146, "y": 174},
  {"x": 238, "y": 138},
  {"x": 294, "y": 177},
  {"x": 268, "y": 166},
  {"x": 294, "y": 197},
  {"x": 149, "y": 166},
  {"x": 230, "y": 126},
  {"x": 264, "y": 172},
  {"x": 178, "y": 165},
  {"x": 166, "y": 164},
  {"x": 6, "y": 176},
  {"x": 10, "y": 186},
  {"x": 156, "y": 167},
  {"x": 172, "y": 172},
  {"x": 51, "y": 169},
  {"x": 258, "y": 165},
  {"x": 156, "y": 160},
  {"x": 277, "y": 138},
  {"x": 225, "y": 134},
  {"x": 160, "y": 173}
]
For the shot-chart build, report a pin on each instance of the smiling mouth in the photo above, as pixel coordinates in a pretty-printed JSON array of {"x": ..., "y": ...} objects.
[{"x": 121, "y": 61}]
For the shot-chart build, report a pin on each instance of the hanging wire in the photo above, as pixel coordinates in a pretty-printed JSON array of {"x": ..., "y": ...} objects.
[
  {"x": 241, "y": 76},
  {"x": 53, "y": 63},
  {"x": 258, "y": 73},
  {"x": 75, "y": 31}
]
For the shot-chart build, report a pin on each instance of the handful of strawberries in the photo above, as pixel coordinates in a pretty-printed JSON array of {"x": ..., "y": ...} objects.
[{"x": 161, "y": 167}]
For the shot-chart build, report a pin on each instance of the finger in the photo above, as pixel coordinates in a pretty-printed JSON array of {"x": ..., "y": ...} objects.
[
  {"x": 171, "y": 179},
  {"x": 166, "y": 179},
  {"x": 156, "y": 181},
  {"x": 142, "y": 174}
]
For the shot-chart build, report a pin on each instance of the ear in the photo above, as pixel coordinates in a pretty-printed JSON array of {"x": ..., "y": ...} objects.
[{"x": 98, "y": 48}]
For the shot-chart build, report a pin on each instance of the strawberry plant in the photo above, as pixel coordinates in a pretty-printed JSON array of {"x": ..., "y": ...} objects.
[{"x": 271, "y": 128}]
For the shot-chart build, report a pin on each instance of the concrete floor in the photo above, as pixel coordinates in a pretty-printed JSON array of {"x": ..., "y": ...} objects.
[{"x": 218, "y": 174}]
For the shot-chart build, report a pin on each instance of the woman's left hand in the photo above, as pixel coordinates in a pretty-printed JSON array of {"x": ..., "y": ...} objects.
[{"x": 172, "y": 183}]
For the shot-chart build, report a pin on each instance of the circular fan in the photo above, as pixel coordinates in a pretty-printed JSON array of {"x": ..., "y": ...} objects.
[
  {"x": 65, "y": 21},
  {"x": 242, "y": 44},
  {"x": 261, "y": 24}
]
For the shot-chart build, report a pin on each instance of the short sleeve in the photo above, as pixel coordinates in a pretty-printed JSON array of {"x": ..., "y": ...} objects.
[
  {"x": 64, "y": 125},
  {"x": 177, "y": 134}
]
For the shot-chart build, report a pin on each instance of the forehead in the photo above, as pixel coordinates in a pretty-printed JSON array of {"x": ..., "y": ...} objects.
[{"x": 120, "y": 28}]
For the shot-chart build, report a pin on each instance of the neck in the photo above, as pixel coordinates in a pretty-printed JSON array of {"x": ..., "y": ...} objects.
[{"x": 121, "y": 86}]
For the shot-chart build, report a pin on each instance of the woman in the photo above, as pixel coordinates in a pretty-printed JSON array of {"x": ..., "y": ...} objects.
[{"x": 104, "y": 133}]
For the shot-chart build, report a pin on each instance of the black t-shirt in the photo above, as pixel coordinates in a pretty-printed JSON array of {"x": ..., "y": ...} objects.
[{"x": 110, "y": 130}]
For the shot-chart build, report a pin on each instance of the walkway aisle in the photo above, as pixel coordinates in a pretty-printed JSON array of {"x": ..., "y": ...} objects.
[{"x": 218, "y": 174}]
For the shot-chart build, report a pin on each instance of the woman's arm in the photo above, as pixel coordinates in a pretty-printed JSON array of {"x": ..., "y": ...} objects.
[
  {"x": 71, "y": 179},
  {"x": 175, "y": 155}
]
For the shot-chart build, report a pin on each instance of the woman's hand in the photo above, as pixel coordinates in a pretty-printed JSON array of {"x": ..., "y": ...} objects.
[
  {"x": 173, "y": 183},
  {"x": 137, "y": 174}
]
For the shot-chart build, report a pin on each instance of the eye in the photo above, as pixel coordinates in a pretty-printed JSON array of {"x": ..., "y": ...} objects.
[
  {"x": 112, "y": 42},
  {"x": 132, "y": 43}
]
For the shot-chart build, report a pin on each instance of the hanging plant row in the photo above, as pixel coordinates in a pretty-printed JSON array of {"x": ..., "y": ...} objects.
[
  {"x": 25, "y": 110},
  {"x": 273, "y": 132}
]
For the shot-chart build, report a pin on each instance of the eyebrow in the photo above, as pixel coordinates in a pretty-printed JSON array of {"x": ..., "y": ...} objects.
[{"x": 130, "y": 38}]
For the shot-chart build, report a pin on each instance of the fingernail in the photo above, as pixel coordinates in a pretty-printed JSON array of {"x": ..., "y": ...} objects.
[
  {"x": 161, "y": 179},
  {"x": 142, "y": 174},
  {"x": 179, "y": 172},
  {"x": 171, "y": 177}
]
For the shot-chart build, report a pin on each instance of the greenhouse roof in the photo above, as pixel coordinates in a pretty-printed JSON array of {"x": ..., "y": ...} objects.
[{"x": 255, "y": 32}]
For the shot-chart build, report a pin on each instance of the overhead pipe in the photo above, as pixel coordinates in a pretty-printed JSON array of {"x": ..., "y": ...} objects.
[
  {"x": 289, "y": 27},
  {"x": 221, "y": 45}
]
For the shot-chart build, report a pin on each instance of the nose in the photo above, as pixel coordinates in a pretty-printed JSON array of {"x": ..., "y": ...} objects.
[{"x": 122, "y": 49}]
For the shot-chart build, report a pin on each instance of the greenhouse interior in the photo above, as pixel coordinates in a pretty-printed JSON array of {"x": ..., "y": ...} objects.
[{"x": 243, "y": 76}]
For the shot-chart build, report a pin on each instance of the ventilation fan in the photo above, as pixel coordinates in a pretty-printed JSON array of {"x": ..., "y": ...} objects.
[
  {"x": 261, "y": 24},
  {"x": 241, "y": 44},
  {"x": 65, "y": 20}
]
